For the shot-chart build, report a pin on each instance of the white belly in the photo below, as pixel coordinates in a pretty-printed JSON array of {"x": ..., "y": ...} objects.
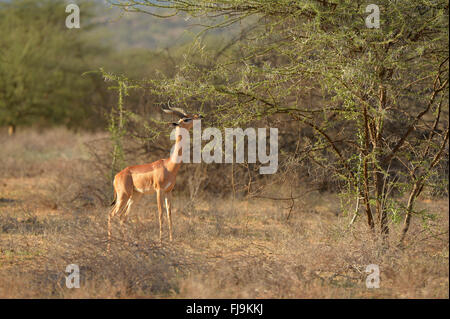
[{"x": 144, "y": 190}]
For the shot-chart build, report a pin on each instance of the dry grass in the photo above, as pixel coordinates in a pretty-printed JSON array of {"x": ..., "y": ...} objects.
[{"x": 52, "y": 214}]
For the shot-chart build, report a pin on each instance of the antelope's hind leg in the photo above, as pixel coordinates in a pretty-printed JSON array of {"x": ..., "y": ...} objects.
[
  {"x": 125, "y": 213},
  {"x": 134, "y": 199},
  {"x": 116, "y": 210}
]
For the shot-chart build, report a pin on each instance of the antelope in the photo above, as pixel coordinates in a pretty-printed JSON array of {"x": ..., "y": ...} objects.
[{"x": 134, "y": 181}]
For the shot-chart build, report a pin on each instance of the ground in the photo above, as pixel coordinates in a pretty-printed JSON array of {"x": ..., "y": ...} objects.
[{"x": 52, "y": 214}]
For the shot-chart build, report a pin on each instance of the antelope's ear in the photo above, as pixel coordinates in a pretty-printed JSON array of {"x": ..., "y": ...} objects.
[{"x": 174, "y": 124}]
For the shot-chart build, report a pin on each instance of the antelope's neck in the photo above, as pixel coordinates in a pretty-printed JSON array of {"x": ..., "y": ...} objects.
[{"x": 175, "y": 158}]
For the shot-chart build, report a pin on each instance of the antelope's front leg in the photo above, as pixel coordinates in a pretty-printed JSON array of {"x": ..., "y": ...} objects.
[
  {"x": 169, "y": 213},
  {"x": 158, "y": 199}
]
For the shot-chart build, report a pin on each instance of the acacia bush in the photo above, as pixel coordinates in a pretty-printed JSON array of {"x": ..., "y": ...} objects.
[{"x": 375, "y": 100}]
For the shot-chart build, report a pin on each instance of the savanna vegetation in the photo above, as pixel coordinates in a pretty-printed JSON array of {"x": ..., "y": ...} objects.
[{"x": 362, "y": 115}]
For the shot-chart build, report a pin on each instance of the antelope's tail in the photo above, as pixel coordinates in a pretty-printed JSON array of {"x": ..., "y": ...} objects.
[{"x": 114, "y": 200}]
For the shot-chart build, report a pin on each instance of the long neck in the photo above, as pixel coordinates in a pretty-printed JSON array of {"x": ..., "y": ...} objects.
[{"x": 173, "y": 164}]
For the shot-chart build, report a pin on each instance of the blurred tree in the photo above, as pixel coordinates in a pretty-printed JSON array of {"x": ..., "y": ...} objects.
[{"x": 41, "y": 63}]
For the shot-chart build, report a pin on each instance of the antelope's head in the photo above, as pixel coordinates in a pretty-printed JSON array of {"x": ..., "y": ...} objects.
[{"x": 186, "y": 120}]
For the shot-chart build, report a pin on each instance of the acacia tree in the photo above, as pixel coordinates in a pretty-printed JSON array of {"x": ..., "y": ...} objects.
[{"x": 381, "y": 112}]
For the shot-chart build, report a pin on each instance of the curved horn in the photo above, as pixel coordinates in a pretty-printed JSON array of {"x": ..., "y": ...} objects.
[
  {"x": 177, "y": 109},
  {"x": 174, "y": 110}
]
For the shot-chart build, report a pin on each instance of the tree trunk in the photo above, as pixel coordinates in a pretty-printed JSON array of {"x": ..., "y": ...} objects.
[
  {"x": 366, "y": 196},
  {"x": 11, "y": 129},
  {"x": 380, "y": 191},
  {"x": 381, "y": 210},
  {"x": 409, "y": 209}
]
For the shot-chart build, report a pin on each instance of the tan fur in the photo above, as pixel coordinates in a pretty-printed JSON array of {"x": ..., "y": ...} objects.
[{"x": 134, "y": 181}]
